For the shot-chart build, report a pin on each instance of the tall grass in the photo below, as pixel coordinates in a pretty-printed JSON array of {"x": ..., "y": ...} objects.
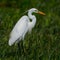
[{"x": 44, "y": 41}]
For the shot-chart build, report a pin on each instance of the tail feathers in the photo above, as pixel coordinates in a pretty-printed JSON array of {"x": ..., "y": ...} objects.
[{"x": 11, "y": 42}]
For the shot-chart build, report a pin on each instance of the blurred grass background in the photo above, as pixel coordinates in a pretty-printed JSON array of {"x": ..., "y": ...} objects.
[{"x": 44, "y": 42}]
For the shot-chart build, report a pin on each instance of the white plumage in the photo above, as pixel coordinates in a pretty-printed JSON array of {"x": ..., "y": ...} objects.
[
  {"x": 19, "y": 30},
  {"x": 22, "y": 27}
]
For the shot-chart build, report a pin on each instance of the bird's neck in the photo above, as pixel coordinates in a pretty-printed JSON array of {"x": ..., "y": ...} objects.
[{"x": 33, "y": 18}]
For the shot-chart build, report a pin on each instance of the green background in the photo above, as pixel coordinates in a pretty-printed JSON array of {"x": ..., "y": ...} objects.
[{"x": 44, "y": 41}]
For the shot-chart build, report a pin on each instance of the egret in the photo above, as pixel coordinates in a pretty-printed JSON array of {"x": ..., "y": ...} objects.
[{"x": 23, "y": 26}]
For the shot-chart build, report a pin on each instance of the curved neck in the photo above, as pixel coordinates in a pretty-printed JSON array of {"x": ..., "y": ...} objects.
[{"x": 33, "y": 18}]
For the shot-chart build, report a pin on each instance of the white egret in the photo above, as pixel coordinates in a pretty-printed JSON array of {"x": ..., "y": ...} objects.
[{"x": 23, "y": 26}]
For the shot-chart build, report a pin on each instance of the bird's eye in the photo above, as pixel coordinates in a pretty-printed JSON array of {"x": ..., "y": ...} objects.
[{"x": 36, "y": 11}]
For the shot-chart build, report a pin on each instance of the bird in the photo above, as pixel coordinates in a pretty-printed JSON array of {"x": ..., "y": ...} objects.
[{"x": 23, "y": 26}]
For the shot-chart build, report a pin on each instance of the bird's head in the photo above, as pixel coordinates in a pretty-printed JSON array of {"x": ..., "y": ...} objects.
[{"x": 35, "y": 11}]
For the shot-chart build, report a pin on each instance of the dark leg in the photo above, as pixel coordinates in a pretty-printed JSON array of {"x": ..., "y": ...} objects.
[
  {"x": 22, "y": 47},
  {"x": 19, "y": 48}
]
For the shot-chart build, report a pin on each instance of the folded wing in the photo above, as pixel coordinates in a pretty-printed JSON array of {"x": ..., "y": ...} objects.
[{"x": 19, "y": 30}]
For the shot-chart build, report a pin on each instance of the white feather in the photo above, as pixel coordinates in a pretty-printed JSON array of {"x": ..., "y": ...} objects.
[
  {"x": 22, "y": 27},
  {"x": 19, "y": 30}
]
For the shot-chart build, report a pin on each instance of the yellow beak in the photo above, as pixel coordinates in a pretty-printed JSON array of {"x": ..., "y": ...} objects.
[{"x": 41, "y": 13}]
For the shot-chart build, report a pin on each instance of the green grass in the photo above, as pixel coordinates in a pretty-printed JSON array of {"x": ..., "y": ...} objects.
[{"x": 44, "y": 41}]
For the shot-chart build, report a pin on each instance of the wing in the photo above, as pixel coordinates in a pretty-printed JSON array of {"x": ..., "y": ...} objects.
[{"x": 19, "y": 30}]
